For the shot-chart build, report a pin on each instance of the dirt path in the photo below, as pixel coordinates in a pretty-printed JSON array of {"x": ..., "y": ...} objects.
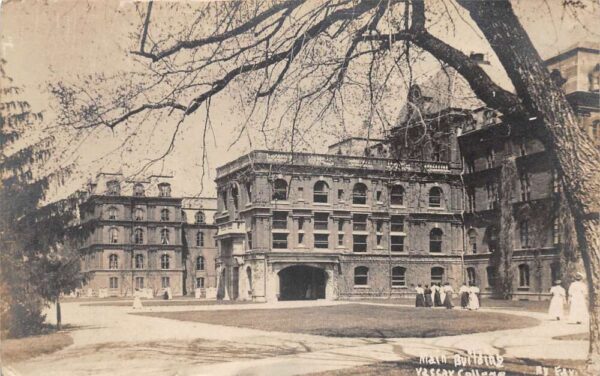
[{"x": 109, "y": 341}]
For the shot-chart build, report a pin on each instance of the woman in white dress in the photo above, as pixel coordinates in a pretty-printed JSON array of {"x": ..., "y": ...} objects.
[
  {"x": 473, "y": 298},
  {"x": 137, "y": 300},
  {"x": 557, "y": 303},
  {"x": 443, "y": 292},
  {"x": 577, "y": 294}
]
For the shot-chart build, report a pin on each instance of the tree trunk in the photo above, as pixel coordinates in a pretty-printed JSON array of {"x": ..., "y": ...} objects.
[
  {"x": 569, "y": 145},
  {"x": 58, "y": 315}
]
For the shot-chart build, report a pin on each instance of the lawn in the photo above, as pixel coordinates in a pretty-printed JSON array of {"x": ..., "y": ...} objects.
[
  {"x": 163, "y": 303},
  {"x": 19, "y": 349},
  {"x": 357, "y": 320},
  {"x": 574, "y": 337}
]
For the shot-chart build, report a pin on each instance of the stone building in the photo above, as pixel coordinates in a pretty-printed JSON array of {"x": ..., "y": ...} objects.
[{"x": 142, "y": 237}]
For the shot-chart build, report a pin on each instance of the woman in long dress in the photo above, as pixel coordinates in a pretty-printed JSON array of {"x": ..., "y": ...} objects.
[
  {"x": 577, "y": 293},
  {"x": 464, "y": 296},
  {"x": 557, "y": 303},
  {"x": 442, "y": 292},
  {"x": 137, "y": 301},
  {"x": 448, "y": 292},
  {"x": 473, "y": 298},
  {"x": 437, "y": 300},
  {"x": 419, "y": 299},
  {"x": 428, "y": 300}
]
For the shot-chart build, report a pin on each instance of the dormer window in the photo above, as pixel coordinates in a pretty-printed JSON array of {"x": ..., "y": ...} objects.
[
  {"x": 113, "y": 188},
  {"x": 138, "y": 190},
  {"x": 164, "y": 190},
  {"x": 200, "y": 219}
]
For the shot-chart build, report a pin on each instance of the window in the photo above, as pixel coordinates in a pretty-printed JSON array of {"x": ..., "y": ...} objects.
[
  {"x": 491, "y": 238},
  {"x": 378, "y": 194},
  {"x": 524, "y": 234},
  {"x": 199, "y": 263},
  {"x": 435, "y": 240},
  {"x": 321, "y": 221},
  {"x": 164, "y": 214},
  {"x": 199, "y": 239},
  {"x": 138, "y": 191},
  {"x": 398, "y": 276},
  {"x": 139, "y": 283},
  {"x": 280, "y": 190},
  {"x": 112, "y": 212},
  {"x": 525, "y": 188},
  {"x": 397, "y": 195},
  {"x": 300, "y": 193},
  {"x": 435, "y": 197},
  {"x": 556, "y": 231},
  {"x": 340, "y": 194},
  {"x": 436, "y": 151},
  {"x": 164, "y": 190},
  {"x": 437, "y": 274},
  {"x": 113, "y": 188},
  {"x": 340, "y": 240},
  {"x": 321, "y": 192},
  {"x": 471, "y": 276},
  {"x": 397, "y": 243},
  {"x": 165, "y": 282},
  {"x": 165, "y": 261},
  {"x": 555, "y": 271},
  {"x": 470, "y": 164},
  {"x": 139, "y": 261},
  {"x": 301, "y": 238},
  {"x": 397, "y": 223},
  {"x": 113, "y": 261},
  {"x": 491, "y": 276},
  {"x": 490, "y": 158},
  {"x": 164, "y": 236},
  {"x": 524, "y": 276},
  {"x": 360, "y": 243},
  {"x": 379, "y": 226},
  {"x": 113, "y": 235},
  {"x": 280, "y": 240},
  {"x": 249, "y": 239},
  {"x": 321, "y": 241},
  {"x": 113, "y": 282},
  {"x": 235, "y": 196},
  {"x": 279, "y": 220},
  {"x": 361, "y": 276},
  {"x": 359, "y": 222},
  {"x": 341, "y": 233},
  {"x": 224, "y": 199},
  {"x": 199, "y": 283},
  {"x": 301, "y": 224},
  {"x": 490, "y": 188},
  {"x": 471, "y": 199},
  {"x": 199, "y": 217},
  {"x": 249, "y": 191},
  {"x": 138, "y": 236},
  {"x": 359, "y": 194},
  {"x": 472, "y": 234},
  {"x": 138, "y": 214}
]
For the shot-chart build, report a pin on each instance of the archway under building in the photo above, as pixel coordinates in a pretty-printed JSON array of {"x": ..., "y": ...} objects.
[{"x": 302, "y": 282}]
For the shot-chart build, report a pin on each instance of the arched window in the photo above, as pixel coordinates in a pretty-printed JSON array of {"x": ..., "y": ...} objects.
[
  {"x": 359, "y": 194},
  {"x": 524, "y": 276},
  {"x": 138, "y": 236},
  {"x": 397, "y": 195},
  {"x": 398, "y": 276},
  {"x": 491, "y": 238},
  {"x": 138, "y": 190},
  {"x": 524, "y": 233},
  {"x": 437, "y": 274},
  {"x": 199, "y": 239},
  {"x": 361, "y": 276},
  {"x": 321, "y": 192},
  {"x": 491, "y": 276},
  {"x": 165, "y": 261},
  {"x": 435, "y": 197},
  {"x": 113, "y": 235},
  {"x": 164, "y": 190},
  {"x": 280, "y": 190},
  {"x": 435, "y": 240},
  {"x": 199, "y": 263},
  {"x": 472, "y": 234},
  {"x": 112, "y": 212},
  {"x": 471, "y": 276},
  {"x": 164, "y": 214},
  {"x": 139, "y": 261},
  {"x": 164, "y": 236},
  {"x": 200, "y": 217},
  {"x": 138, "y": 214},
  {"x": 113, "y": 261},
  {"x": 113, "y": 188}
]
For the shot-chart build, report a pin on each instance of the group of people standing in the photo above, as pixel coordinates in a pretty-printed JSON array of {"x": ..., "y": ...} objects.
[
  {"x": 576, "y": 299},
  {"x": 434, "y": 296}
]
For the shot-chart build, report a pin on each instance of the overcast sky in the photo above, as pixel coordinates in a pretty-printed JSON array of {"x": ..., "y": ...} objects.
[{"x": 49, "y": 41}]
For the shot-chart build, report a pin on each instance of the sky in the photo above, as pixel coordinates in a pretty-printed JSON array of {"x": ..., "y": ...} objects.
[{"x": 55, "y": 40}]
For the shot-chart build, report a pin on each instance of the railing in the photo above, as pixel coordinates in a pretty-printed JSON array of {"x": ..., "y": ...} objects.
[
  {"x": 233, "y": 227},
  {"x": 329, "y": 160}
]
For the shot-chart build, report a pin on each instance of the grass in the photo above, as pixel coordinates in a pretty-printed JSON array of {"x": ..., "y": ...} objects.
[
  {"x": 523, "y": 367},
  {"x": 574, "y": 337},
  {"x": 163, "y": 303},
  {"x": 20, "y": 349},
  {"x": 357, "y": 320}
]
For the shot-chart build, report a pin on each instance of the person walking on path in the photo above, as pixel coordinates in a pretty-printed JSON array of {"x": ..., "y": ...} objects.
[
  {"x": 557, "y": 303},
  {"x": 437, "y": 298},
  {"x": 448, "y": 292},
  {"x": 577, "y": 295},
  {"x": 464, "y": 296},
  {"x": 420, "y": 298},
  {"x": 473, "y": 297},
  {"x": 442, "y": 292},
  {"x": 428, "y": 300},
  {"x": 137, "y": 301}
]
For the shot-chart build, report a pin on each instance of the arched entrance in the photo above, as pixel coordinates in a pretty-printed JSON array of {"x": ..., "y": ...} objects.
[{"x": 301, "y": 282}]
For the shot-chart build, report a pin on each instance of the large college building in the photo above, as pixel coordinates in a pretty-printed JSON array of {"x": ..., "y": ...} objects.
[{"x": 375, "y": 217}]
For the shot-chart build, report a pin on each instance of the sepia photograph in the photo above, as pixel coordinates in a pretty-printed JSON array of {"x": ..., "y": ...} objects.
[{"x": 300, "y": 187}]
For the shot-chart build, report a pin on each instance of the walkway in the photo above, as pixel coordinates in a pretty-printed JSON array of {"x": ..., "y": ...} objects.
[{"x": 109, "y": 341}]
